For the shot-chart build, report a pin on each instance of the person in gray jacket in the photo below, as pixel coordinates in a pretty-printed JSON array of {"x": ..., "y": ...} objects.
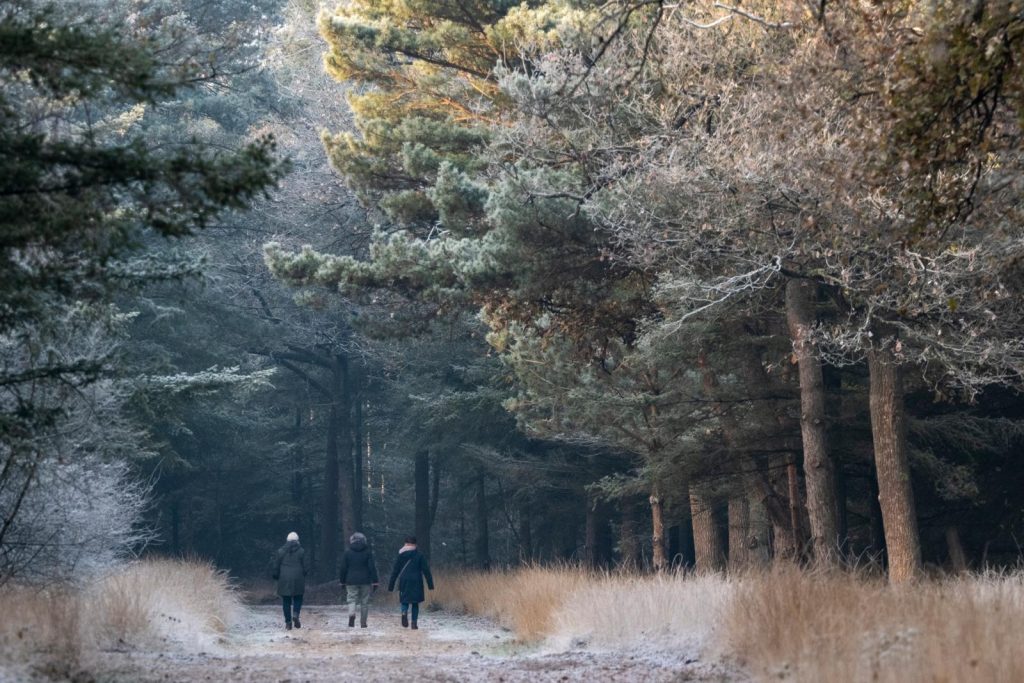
[
  {"x": 289, "y": 568},
  {"x": 358, "y": 578}
]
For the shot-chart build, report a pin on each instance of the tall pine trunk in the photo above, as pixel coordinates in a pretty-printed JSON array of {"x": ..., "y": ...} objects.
[
  {"x": 422, "y": 501},
  {"x": 707, "y": 543},
  {"x": 525, "y": 534},
  {"x": 483, "y": 546},
  {"x": 341, "y": 414},
  {"x": 359, "y": 453},
  {"x": 329, "y": 508},
  {"x": 739, "y": 532},
  {"x": 895, "y": 492},
  {"x": 819, "y": 470},
  {"x": 629, "y": 543},
  {"x": 658, "y": 556}
]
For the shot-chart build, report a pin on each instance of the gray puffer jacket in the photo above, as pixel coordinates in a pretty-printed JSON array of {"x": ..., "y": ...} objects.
[{"x": 290, "y": 568}]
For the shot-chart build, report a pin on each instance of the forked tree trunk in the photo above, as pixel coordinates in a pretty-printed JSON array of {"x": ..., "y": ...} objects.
[
  {"x": 739, "y": 532},
  {"x": 895, "y": 492},
  {"x": 819, "y": 470},
  {"x": 658, "y": 557},
  {"x": 707, "y": 543}
]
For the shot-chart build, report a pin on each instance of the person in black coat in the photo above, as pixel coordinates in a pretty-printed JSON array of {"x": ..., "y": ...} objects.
[
  {"x": 289, "y": 568},
  {"x": 409, "y": 571},
  {"x": 358, "y": 578}
]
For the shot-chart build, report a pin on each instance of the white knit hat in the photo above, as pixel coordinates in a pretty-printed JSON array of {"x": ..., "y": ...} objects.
[{"x": 293, "y": 536}]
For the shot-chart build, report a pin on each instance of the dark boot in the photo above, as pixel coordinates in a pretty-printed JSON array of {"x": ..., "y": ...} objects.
[
  {"x": 287, "y": 626},
  {"x": 405, "y": 620},
  {"x": 414, "y": 626},
  {"x": 362, "y": 624},
  {"x": 298, "y": 624},
  {"x": 352, "y": 621}
]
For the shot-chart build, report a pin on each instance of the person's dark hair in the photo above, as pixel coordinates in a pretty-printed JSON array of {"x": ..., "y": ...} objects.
[{"x": 411, "y": 540}]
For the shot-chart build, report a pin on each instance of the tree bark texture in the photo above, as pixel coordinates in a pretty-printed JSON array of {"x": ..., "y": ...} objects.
[
  {"x": 658, "y": 557},
  {"x": 819, "y": 470},
  {"x": 707, "y": 543},
  {"x": 739, "y": 532},
  {"x": 759, "y": 540},
  {"x": 793, "y": 483},
  {"x": 422, "y": 501},
  {"x": 895, "y": 492}
]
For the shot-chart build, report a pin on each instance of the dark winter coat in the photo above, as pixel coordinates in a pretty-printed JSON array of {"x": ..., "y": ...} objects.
[
  {"x": 289, "y": 569},
  {"x": 357, "y": 565},
  {"x": 409, "y": 571}
]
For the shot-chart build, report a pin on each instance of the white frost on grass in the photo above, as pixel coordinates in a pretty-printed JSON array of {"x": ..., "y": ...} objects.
[{"x": 643, "y": 613}]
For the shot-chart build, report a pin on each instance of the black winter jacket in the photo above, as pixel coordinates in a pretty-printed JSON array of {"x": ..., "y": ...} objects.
[
  {"x": 357, "y": 565},
  {"x": 409, "y": 571},
  {"x": 289, "y": 569}
]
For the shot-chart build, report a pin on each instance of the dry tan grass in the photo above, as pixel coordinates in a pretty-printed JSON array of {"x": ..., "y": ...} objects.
[
  {"x": 525, "y": 600},
  {"x": 56, "y": 630},
  {"x": 793, "y": 626},
  {"x": 784, "y": 624}
]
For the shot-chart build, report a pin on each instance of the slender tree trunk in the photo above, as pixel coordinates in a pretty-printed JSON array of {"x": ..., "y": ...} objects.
[
  {"x": 819, "y": 470},
  {"x": 525, "y": 535},
  {"x": 329, "y": 510},
  {"x": 462, "y": 528},
  {"x": 759, "y": 552},
  {"x": 422, "y": 502},
  {"x": 483, "y": 548},
  {"x": 629, "y": 546},
  {"x": 342, "y": 415},
  {"x": 739, "y": 532},
  {"x": 895, "y": 492},
  {"x": 658, "y": 558},
  {"x": 957, "y": 556},
  {"x": 834, "y": 412},
  {"x": 175, "y": 524},
  {"x": 707, "y": 543},
  {"x": 842, "y": 517},
  {"x": 590, "y": 535},
  {"x": 360, "y": 458}
]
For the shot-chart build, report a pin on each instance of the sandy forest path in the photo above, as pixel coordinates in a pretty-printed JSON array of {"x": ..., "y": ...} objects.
[{"x": 446, "y": 648}]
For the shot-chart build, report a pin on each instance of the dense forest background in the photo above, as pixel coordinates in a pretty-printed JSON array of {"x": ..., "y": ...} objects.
[{"x": 623, "y": 283}]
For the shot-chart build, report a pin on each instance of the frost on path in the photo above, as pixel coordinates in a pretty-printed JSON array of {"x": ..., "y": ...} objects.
[{"x": 446, "y": 648}]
